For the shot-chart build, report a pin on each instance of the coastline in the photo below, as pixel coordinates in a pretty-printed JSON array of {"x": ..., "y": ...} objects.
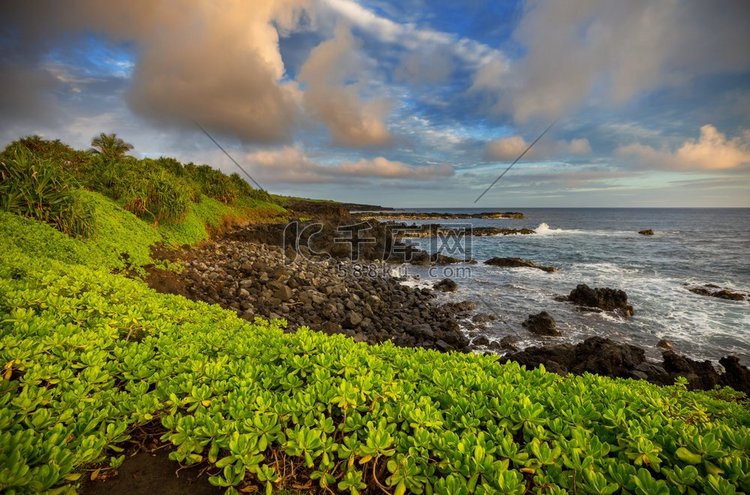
[{"x": 369, "y": 303}]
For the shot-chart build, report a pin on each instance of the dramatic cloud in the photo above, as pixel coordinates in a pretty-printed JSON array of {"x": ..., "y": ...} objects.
[
  {"x": 322, "y": 91},
  {"x": 509, "y": 148},
  {"x": 711, "y": 151},
  {"x": 221, "y": 67},
  {"x": 215, "y": 63},
  {"x": 605, "y": 52},
  {"x": 291, "y": 164},
  {"x": 331, "y": 74}
]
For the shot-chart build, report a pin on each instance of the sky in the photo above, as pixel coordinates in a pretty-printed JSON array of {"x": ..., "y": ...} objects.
[{"x": 406, "y": 103}]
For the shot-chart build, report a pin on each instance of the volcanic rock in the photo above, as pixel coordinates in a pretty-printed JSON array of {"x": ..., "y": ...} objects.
[
  {"x": 605, "y": 299},
  {"x": 446, "y": 285},
  {"x": 541, "y": 324},
  {"x": 518, "y": 262}
]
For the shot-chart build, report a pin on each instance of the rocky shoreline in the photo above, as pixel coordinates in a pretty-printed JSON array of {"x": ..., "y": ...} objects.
[
  {"x": 367, "y": 304},
  {"x": 434, "y": 230},
  {"x": 605, "y": 357},
  {"x": 253, "y": 272},
  {"x": 392, "y": 215}
]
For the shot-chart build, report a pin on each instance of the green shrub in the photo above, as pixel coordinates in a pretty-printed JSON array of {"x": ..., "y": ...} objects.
[
  {"x": 248, "y": 191},
  {"x": 156, "y": 194},
  {"x": 67, "y": 158},
  {"x": 143, "y": 188},
  {"x": 213, "y": 183},
  {"x": 37, "y": 188},
  {"x": 88, "y": 356}
]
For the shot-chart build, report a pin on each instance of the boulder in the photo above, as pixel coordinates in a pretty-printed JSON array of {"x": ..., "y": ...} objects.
[
  {"x": 446, "y": 285},
  {"x": 281, "y": 291},
  {"x": 601, "y": 298},
  {"x": 735, "y": 375},
  {"x": 664, "y": 344},
  {"x": 423, "y": 330},
  {"x": 646, "y": 232},
  {"x": 352, "y": 319},
  {"x": 483, "y": 318},
  {"x": 509, "y": 343},
  {"x": 701, "y": 375},
  {"x": 541, "y": 324}
]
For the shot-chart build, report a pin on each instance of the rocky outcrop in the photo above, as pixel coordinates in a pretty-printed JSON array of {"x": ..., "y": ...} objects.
[
  {"x": 700, "y": 374},
  {"x": 601, "y": 299},
  {"x": 436, "y": 215},
  {"x": 735, "y": 375},
  {"x": 437, "y": 230},
  {"x": 425, "y": 259},
  {"x": 541, "y": 324},
  {"x": 518, "y": 262},
  {"x": 646, "y": 232},
  {"x": 713, "y": 290},
  {"x": 594, "y": 355},
  {"x": 605, "y": 357}
]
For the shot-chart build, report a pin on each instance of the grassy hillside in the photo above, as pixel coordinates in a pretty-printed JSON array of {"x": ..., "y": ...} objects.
[
  {"x": 116, "y": 205},
  {"x": 89, "y": 356}
]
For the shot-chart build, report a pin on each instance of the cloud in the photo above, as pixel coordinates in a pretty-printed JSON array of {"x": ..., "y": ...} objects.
[
  {"x": 331, "y": 74},
  {"x": 215, "y": 63},
  {"x": 408, "y": 35},
  {"x": 427, "y": 65},
  {"x": 509, "y": 148},
  {"x": 605, "y": 52},
  {"x": 291, "y": 164},
  {"x": 711, "y": 151},
  {"x": 219, "y": 66},
  {"x": 26, "y": 93}
]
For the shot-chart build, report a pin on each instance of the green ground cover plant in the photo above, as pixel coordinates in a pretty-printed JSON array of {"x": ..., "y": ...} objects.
[{"x": 88, "y": 355}]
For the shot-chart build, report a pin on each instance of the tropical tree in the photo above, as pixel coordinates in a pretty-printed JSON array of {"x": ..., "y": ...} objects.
[{"x": 110, "y": 146}]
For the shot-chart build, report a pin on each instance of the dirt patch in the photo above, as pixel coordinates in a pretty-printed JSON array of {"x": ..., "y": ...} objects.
[
  {"x": 165, "y": 281},
  {"x": 163, "y": 252},
  {"x": 150, "y": 473}
]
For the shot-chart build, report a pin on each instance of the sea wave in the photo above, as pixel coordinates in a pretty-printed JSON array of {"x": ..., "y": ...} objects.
[{"x": 544, "y": 229}]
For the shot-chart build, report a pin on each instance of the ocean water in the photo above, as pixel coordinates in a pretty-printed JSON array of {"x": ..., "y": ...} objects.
[{"x": 602, "y": 248}]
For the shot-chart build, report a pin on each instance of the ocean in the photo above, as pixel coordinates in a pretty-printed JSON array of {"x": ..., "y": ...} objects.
[{"x": 601, "y": 247}]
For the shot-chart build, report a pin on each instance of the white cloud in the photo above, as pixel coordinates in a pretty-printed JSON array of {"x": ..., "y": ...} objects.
[
  {"x": 711, "y": 151},
  {"x": 291, "y": 164},
  {"x": 332, "y": 95},
  {"x": 604, "y": 52},
  {"x": 216, "y": 63},
  {"x": 410, "y": 36},
  {"x": 509, "y": 148}
]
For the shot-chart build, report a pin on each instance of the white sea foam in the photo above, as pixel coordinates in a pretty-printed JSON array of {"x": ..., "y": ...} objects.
[{"x": 545, "y": 230}]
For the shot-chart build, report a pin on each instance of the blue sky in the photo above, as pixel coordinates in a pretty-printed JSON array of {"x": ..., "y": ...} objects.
[{"x": 403, "y": 103}]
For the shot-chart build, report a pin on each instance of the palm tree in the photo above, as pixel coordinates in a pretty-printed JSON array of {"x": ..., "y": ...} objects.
[{"x": 110, "y": 146}]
